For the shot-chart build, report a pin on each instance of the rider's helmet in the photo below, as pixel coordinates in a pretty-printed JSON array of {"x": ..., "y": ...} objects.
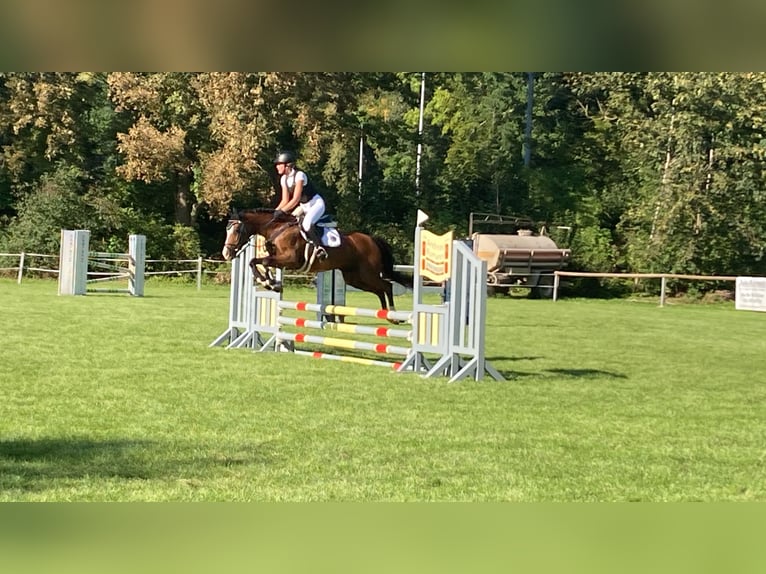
[{"x": 285, "y": 157}]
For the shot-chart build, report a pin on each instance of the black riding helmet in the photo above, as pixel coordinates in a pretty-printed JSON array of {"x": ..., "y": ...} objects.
[{"x": 285, "y": 157}]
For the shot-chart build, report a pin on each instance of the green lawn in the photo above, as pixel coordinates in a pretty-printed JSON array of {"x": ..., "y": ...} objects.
[{"x": 107, "y": 397}]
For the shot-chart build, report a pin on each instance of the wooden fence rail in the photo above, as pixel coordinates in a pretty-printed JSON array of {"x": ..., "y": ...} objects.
[
  {"x": 662, "y": 276},
  {"x": 184, "y": 266}
]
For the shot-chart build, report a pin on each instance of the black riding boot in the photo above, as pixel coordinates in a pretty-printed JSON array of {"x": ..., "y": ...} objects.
[{"x": 317, "y": 242}]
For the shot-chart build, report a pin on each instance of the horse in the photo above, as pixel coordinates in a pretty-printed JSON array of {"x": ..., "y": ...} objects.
[{"x": 366, "y": 262}]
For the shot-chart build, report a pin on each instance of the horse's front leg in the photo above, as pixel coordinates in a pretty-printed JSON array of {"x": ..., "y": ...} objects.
[
  {"x": 262, "y": 274},
  {"x": 259, "y": 272}
]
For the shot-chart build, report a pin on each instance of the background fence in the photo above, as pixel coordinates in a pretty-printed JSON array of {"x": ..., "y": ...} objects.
[
  {"x": 38, "y": 265},
  {"x": 663, "y": 277}
]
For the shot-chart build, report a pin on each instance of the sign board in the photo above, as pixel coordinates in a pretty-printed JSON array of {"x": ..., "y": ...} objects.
[
  {"x": 750, "y": 294},
  {"x": 435, "y": 255}
]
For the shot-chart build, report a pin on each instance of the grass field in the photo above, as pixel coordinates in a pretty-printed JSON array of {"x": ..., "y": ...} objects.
[{"x": 107, "y": 397}]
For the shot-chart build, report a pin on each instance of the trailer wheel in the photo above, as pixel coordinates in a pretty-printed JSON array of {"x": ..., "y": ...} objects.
[
  {"x": 491, "y": 284},
  {"x": 496, "y": 290},
  {"x": 544, "y": 287}
]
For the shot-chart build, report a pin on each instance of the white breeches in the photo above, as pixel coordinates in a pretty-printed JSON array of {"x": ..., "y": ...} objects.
[{"x": 312, "y": 210}]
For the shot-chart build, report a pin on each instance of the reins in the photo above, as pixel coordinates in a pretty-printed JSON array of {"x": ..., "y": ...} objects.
[{"x": 285, "y": 226}]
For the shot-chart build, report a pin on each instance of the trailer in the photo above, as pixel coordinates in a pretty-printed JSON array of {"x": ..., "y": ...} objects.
[{"x": 525, "y": 256}]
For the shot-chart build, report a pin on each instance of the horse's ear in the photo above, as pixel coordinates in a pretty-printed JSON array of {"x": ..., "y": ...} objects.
[{"x": 233, "y": 214}]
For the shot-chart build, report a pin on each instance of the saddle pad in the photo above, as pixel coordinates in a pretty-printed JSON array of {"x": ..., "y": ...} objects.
[{"x": 330, "y": 237}]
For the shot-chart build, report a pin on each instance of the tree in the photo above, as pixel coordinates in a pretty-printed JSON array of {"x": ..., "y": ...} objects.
[
  {"x": 49, "y": 120},
  {"x": 690, "y": 148},
  {"x": 169, "y": 131}
]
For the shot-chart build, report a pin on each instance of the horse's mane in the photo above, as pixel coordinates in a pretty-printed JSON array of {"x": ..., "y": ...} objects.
[
  {"x": 256, "y": 210},
  {"x": 268, "y": 212}
]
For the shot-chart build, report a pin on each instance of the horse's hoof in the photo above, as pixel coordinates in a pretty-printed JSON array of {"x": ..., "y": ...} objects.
[{"x": 277, "y": 288}]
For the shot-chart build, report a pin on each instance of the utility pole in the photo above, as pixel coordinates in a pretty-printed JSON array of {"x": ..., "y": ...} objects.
[
  {"x": 420, "y": 133},
  {"x": 361, "y": 157},
  {"x": 528, "y": 128}
]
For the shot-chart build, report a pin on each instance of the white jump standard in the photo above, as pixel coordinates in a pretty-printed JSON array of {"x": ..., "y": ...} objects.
[{"x": 74, "y": 260}]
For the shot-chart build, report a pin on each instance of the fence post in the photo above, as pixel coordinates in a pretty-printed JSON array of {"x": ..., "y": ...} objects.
[
  {"x": 555, "y": 285},
  {"x": 199, "y": 273},
  {"x": 21, "y": 268},
  {"x": 136, "y": 264},
  {"x": 662, "y": 292}
]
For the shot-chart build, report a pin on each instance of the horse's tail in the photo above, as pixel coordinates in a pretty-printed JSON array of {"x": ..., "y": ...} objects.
[{"x": 387, "y": 257}]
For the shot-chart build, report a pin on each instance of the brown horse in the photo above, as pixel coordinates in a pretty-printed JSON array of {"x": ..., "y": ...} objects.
[{"x": 366, "y": 262}]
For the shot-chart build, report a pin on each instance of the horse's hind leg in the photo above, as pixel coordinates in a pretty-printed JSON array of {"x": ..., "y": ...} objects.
[
  {"x": 363, "y": 283},
  {"x": 385, "y": 292},
  {"x": 382, "y": 297},
  {"x": 390, "y": 294}
]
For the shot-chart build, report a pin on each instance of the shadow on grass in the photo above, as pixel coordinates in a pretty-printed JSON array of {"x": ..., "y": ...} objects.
[
  {"x": 587, "y": 373},
  {"x": 40, "y": 464},
  {"x": 520, "y": 358},
  {"x": 559, "y": 374},
  {"x": 553, "y": 373}
]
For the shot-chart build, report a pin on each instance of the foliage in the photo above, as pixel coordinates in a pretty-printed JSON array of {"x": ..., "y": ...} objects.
[
  {"x": 185, "y": 243},
  {"x": 656, "y": 171},
  {"x": 692, "y": 149},
  {"x": 54, "y": 205}
]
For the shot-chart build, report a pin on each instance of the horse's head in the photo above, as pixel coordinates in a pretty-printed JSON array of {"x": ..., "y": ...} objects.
[
  {"x": 236, "y": 236},
  {"x": 248, "y": 222}
]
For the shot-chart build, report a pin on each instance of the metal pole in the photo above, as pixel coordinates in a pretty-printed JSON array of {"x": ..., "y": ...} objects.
[
  {"x": 420, "y": 132},
  {"x": 21, "y": 268},
  {"x": 361, "y": 149},
  {"x": 528, "y": 129}
]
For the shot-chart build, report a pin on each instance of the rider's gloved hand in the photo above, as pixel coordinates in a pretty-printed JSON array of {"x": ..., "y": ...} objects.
[{"x": 279, "y": 213}]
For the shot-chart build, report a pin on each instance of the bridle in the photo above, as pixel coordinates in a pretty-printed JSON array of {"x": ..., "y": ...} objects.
[
  {"x": 242, "y": 232},
  {"x": 240, "y": 229}
]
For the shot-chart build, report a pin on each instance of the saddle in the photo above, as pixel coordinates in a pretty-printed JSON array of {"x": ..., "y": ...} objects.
[
  {"x": 325, "y": 231},
  {"x": 325, "y": 228},
  {"x": 327, "y": 221}
]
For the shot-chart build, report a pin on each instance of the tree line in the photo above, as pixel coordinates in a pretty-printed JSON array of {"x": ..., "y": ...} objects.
[{"x": 655, "y": 172}]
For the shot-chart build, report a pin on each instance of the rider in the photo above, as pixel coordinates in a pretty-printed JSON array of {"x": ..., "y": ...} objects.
[{"x": 300, "y": 197}]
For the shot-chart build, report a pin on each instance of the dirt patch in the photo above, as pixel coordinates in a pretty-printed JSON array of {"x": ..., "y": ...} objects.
[{"x": 718, "y": 296}]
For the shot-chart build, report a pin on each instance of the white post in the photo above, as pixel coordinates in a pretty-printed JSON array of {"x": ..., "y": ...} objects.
[
  {"x": 199, "y": 273},
  {"x": 662, "y": 292},
  {"x": 21, "y": 268},
  {"x": 73, "y": 262},
  {"x": 555, "y": 285},
  {"x": 136, "y": 264}
]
